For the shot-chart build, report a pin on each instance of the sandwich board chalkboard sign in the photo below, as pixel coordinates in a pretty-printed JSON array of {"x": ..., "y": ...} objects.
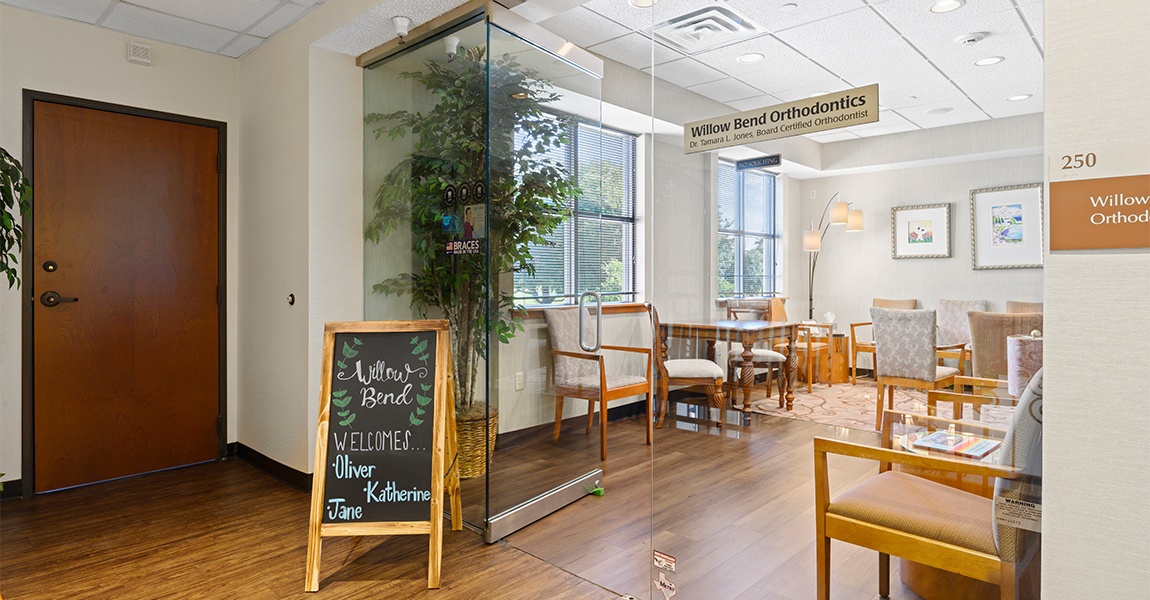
[{"x": 382, "y": 436}]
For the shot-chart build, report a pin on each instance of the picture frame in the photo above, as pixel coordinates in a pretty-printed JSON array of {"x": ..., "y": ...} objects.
[
  {"x": 921, "y": 231},
  {"x": 1006, "y": 227}
]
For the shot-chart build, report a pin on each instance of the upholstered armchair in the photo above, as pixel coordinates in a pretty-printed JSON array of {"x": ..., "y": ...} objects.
[
  {"x": 954, "y": 326},
  {"x": 1013, "y": 306},
  {"x": 988, "y": 333},
  {"x": 906, "y": 354},
  {"x": 580, "y": 374},
  {"x": 699, "y": 373},
  {"x": 865, "y": 343},
  {"x": 929, "y": 522}
]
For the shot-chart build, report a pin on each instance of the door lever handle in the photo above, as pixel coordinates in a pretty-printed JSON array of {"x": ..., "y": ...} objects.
[{"x": 50, "y": 298}]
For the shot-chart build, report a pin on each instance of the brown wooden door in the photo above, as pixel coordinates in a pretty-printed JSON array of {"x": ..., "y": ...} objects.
[{"x": 127, "y": 377}]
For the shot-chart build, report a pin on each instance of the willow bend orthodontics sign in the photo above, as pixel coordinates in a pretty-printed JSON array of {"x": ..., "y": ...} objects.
[{"x": 830, "y": 111}]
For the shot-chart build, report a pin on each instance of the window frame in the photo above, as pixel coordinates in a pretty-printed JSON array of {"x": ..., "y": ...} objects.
[{"x": 740, "y": 234}]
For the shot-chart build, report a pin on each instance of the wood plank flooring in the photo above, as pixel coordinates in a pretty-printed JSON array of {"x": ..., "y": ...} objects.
[{"x": 733, "y": 505}]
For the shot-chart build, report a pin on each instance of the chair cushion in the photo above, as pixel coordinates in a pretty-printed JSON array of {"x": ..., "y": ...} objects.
[
  {"x": 944, "y": 372},
  {"x": 802, "y": 346},
  {"x": 693, "y": 367},
  {"x": 591, "y": 382},
  {"x": 761, "y": 355},
  {"x": 915, "y": 505}
]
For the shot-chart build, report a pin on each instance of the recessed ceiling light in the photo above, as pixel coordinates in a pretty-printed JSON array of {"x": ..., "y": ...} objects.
[
  {"x": 939, "y": 111},
  {"x": 990, "y": 60},
  {"x": 789, "y": 7},
  {"x": 1018, "y": 97},
  {"x": 750, "y": 57},
  {"x": 943, "y": 6},
  {"x": 642, "y": 3}
]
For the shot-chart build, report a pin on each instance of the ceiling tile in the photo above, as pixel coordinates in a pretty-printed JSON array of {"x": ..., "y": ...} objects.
[
  {"x": 834, "y": 135},
  {"x": 149, "y": 24},
  {"x": 241, "y": 45},
  {"x": 918, "y": 94},
  {"x": 795, "y": 75},
  {"x": 686, "y": 72},
  {"x": 911, "y": 16},
  {"x": 886, "y": 118},
  {"x": 644, "y": 18},
  {"x": 279, "y": 19},
  {"x": 962, "y": 111},
  {"x": 88, "y": 11},
  {"x": 634, "y": 49},
  {"x": 726, "y": 90},
  {"x": 755, "y": 102},
  {"x": 236, "y": 15},
  {"x": 1003, "y": 82},
  {"x": 1006, "y": 36},
  {"x": 583, "y": 27},
  {"x": 826, "y": 86},
  {"x": 1033, "y": 15},
  {"x": 842, "y": 33},
  {"x": 886, "y": 129},
  {"x": 774, "y": 53},
  {"x": 999, "y": 107},
  {"x": 885, "y": 54},
  {"x": 768, "y": 13}
]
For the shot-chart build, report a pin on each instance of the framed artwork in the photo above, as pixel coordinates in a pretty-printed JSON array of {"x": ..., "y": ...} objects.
[
  {"x": 1006, "y": 227},
  {"x": 920, "y": 231}
]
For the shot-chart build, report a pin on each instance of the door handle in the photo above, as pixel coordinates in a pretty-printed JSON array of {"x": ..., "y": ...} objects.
[
  {"x": 598, "y": 321},
  {"x": 52, "y": 299}
]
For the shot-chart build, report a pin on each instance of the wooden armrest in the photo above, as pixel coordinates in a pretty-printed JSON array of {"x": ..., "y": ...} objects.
[
  {"x": 960, "y": 346},
  {"x": 979, "y": 399},
  {"x": 646, "y": 351},
  {"x": 986, "y": 382},
  {"x": 890, "y": 417},
  {"x": 824, "y": 446}
]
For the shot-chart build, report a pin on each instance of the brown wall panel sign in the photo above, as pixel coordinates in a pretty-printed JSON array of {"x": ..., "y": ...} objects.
[
  {"x": 829, "y": 111},
  {"x": 1100, "y": 200}
]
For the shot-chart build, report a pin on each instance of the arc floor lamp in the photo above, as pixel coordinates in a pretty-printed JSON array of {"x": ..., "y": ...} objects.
[{"x": 840, "y": 214}]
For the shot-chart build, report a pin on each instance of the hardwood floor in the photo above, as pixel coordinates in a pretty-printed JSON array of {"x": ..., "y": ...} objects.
[{"x": 733, "y": 505}]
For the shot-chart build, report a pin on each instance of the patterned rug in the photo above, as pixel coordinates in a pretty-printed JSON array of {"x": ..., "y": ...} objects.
[{"x": 853, "y": 406}]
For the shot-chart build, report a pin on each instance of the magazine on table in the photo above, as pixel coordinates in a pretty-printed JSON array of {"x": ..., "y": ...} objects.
[{"x": 964, "y": 445}]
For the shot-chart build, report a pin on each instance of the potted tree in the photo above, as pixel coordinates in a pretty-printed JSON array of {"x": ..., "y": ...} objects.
[
  {"x": 16, "y": 196},
  {"x": 525, "y": 198}
]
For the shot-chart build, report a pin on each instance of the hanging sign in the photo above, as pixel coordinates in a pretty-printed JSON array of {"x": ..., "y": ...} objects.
[
  {"x": 1100, "y": 198},
  {"x": 771, "y": 160},
  {"x": 809, "y": 115},
  {"x": 381, "y": 440}
]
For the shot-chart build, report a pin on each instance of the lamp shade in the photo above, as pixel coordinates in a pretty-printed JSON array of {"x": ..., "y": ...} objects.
[
  {"x": 839, "y": 212},
  {"x": 812, "y": 240},
  {"x": 854, "y": 220}
]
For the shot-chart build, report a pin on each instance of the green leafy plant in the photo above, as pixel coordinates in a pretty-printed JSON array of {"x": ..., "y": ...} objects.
[
  {"x": 16, "y": 196},
  {"x": 526, "y": 200}
]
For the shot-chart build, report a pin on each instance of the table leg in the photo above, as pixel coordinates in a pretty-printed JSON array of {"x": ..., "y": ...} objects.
[
  {"x": 747, "y": 374},
  {"x": 792, "y": 366}
]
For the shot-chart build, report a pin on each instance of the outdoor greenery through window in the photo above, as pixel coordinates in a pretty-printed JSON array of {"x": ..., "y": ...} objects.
[
  {"x": 748, "y": 233},
  {"x": 594, "y": 249}
]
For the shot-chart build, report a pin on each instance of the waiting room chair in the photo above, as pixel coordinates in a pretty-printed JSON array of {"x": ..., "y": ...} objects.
[
  {"x": 906, "y": 354},
  {"x": 866, "y": 346},
  {"x": 581, "y": 374},
  {"x": 773, "y": 362},
  {"x": 700, "y": 373},
  {"x": 954, "y": 326},
  {"x": 988, "y": 333},
  {"x": 1013, "y": 306},
  {"x": 932, "y": 523}
]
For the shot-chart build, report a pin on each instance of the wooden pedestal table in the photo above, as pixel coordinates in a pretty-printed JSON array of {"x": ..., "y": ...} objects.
[{"x": 741, "y": 334}]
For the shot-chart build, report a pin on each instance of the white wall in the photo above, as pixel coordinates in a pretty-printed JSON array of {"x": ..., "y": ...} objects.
[
  {"x": 856, "y": 267},
  {"x": 1097, "y": 352},
  {"x": 63, "y": 57}
]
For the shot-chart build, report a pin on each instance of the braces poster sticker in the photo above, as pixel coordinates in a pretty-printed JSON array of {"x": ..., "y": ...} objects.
[{"x": 465, "y": 217}]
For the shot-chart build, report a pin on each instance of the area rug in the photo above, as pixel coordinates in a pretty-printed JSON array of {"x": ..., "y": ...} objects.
[{"x": 853, "y": 406}]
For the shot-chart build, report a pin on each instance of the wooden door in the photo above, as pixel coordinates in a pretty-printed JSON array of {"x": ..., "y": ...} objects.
[{"x": 126, "y": 378}]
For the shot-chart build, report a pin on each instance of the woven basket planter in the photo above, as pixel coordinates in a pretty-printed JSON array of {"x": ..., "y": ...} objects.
[{"x": 471, "y": 434}]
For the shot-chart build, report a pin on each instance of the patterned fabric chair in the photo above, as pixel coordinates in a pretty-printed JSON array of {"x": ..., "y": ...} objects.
[
  {"x": 700, "y": 373},
  {"x": 988, "y": 333},
  {"x": 580, "y": 374},
  {"x": 906, "y": 354},
  {"x": 866, "y": 346},
  {"x": 954, "y": 326},
  {"x": 929, "y": 522},
  {"x": 1013, "y": 306}
]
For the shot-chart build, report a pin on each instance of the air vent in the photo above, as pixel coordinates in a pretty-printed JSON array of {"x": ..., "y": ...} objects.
[
  {"x": 140, "y": 54},
  {"x": 706, "y": 29}
]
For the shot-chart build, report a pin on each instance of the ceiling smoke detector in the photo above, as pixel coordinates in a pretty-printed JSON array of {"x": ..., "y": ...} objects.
[
  {"x": 706, "y": 28},
  {"x": 969, "y": 39}
]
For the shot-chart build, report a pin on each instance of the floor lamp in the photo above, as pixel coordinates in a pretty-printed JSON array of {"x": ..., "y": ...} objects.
[{"x": 841, "y": 214}]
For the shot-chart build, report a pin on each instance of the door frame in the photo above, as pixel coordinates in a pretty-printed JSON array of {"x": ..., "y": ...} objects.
[{"x": 28, "y": 271}]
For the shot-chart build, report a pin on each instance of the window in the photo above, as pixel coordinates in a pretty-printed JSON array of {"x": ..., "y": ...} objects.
[
  {"x": 594, "y": 249},
  {"x": 748, "y": 234}
]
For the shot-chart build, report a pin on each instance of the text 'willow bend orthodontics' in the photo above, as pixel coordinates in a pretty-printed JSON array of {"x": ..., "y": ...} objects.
[{"x": 809, "y": 115}]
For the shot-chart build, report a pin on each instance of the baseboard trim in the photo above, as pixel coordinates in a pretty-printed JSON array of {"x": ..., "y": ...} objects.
[
  {"x": 296, "y": 479},
  {"x": 13, "y": 488}
]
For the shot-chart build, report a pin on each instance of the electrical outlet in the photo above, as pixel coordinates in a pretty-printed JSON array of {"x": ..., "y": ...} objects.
[
  {"x": 812, "y": 194},
  {"x": 520, "y": 381}
]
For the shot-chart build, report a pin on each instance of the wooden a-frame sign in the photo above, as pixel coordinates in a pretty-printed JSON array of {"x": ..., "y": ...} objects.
[{"x": 386, "y": 429}]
